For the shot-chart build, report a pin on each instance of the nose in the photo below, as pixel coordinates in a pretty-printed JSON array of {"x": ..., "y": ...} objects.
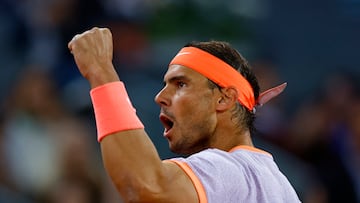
[{"x": 162, "y": 98}]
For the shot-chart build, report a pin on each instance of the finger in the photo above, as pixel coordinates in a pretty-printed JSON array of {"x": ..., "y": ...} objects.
[
  {"x": 107, "y": 31},
  {"x": 70, "y": 44}
]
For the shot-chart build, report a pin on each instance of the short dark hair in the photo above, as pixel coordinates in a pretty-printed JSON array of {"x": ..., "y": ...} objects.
[{"x": 225, "y": 52}]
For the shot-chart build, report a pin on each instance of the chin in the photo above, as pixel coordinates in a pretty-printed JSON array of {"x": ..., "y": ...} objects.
[
  {"x": 183, "y": 148},
  {"x": 175, "y": 149},
  {"x": 183, "y": 152}
]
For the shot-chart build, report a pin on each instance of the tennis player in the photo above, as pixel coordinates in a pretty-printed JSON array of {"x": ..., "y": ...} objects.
[{"x": 207, "y": 108}]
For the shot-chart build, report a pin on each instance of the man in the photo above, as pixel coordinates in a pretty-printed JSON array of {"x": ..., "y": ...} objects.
[{"x": 207, "y": 109}]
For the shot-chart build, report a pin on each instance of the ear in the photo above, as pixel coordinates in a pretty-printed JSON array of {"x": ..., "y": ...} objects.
[
  {"x": 270, "y": 93},
  {"x": 228, "y": 97}
]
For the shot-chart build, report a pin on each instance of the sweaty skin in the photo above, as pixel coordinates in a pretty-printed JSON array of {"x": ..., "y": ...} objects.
[{"x": 130, "y": 157}]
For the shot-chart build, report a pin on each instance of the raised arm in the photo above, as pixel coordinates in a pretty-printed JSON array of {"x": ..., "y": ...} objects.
[{"x": 129, "y": 156}]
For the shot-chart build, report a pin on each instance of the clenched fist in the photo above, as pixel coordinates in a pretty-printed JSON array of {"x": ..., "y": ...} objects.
[{"x": 93, "y": 54}]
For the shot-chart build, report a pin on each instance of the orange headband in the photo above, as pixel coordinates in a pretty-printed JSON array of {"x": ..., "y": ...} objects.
[{"x": 217, "y": 71}]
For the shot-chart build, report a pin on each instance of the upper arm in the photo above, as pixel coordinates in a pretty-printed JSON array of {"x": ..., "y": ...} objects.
[
  {"x": 138, "y": 173},
  {"x": 179, "y": 187}
]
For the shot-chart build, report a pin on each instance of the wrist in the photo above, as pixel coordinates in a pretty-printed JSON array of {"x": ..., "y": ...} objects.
[
  {"x": 102, "y": 76},
  {"x": 113, "y": 110}
]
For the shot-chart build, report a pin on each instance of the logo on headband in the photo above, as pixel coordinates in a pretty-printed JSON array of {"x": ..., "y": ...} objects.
[{"x": 182, "y": 53}]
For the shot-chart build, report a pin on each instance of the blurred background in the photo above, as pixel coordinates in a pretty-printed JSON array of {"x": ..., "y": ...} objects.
[{"x": 49, "y": 152}]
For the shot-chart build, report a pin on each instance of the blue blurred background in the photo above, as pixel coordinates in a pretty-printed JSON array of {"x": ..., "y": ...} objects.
[{"x": 49, "y": 152}]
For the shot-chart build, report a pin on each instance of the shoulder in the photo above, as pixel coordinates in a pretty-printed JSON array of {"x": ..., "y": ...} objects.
[
  {"x": 242, "y": 174},
  {"x": 237, "y": 159},
  {"x": 217, "y": 171}
]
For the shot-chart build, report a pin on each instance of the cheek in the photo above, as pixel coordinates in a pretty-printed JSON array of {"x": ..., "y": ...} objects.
[
  {"x": 183, "y": 108},
  {"x": 194, "y": 109},
  {"x": 194, "y": 104}
]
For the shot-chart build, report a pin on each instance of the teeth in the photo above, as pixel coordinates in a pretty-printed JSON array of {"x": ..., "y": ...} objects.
[{"x": 167, "y": 123}]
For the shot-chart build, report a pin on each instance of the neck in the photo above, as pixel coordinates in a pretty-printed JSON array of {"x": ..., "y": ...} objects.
[
  {"x": 236, "y": 140},
  {"x": 227, "y": 135}
]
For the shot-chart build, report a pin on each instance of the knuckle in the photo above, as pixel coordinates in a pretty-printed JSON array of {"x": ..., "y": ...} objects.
[{"x": 105, "y": 29}]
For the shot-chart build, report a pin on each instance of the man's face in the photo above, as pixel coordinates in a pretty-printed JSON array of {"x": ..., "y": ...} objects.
[{"x": 187, "y": 110}]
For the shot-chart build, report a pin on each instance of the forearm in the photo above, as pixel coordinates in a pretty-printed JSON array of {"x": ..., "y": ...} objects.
[{"x": 129, "y": 155}]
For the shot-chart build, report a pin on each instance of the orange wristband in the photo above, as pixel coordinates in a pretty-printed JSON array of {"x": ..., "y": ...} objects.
[{"x": 113, "y": 110}]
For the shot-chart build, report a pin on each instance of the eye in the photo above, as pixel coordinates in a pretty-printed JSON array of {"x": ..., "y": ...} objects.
[{"x": 180, "y": 84}]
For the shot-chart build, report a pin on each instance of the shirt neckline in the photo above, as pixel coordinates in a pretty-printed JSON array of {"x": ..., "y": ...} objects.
[{"x": 249, "y": 148}]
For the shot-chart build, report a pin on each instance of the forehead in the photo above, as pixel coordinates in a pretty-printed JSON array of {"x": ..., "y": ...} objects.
[{"x": 175, "y": 71}]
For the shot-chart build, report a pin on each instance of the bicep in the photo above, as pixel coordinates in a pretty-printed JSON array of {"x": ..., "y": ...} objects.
[
  {"x": 133, "y": 164},
  {"x": 181, "y": 187}
]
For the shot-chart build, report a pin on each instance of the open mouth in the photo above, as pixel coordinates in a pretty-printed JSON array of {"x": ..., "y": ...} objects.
[{"x": 167, "y": 122}]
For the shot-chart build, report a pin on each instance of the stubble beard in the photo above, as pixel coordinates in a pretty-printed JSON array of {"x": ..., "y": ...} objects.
[{"x": 193, "y": 140}]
